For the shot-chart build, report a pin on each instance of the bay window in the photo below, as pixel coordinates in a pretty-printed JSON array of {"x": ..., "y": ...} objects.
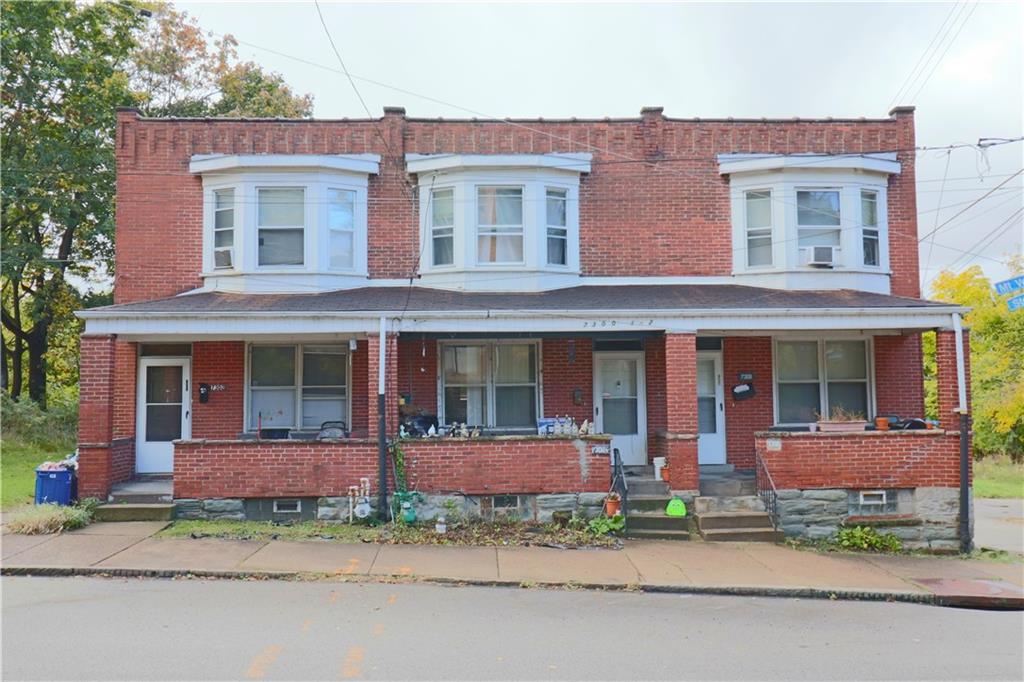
[
  {"x": 224, "y": 228},
  {"x": 499, "y": 225},
  {"x": 869, "y": 226},
  {"x": 558, "y": 232},
  {"x": 817, "y": 217},
  {"x": 442, "y": 226},
  {"x": 341, "y": 227},
  {"x": 281, "y": 225},
  {"x": 815, "y": 378},
  {"x": 759, "y": 227},
  {"x": 297, "y": 386},
  {"x": 491, "y": 384}
]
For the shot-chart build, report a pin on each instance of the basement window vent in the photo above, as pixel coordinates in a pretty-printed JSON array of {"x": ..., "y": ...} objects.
[
  {"x": 868, "y": 502},
  {"x": 505, "y": 502},
  {"x": 287, "y": 506}
]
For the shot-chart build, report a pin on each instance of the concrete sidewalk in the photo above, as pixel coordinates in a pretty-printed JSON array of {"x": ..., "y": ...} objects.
[{"x": 742, "y": 568}]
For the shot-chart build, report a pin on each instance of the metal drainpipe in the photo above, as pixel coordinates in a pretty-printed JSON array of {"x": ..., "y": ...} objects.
[
  {"x": 382, "y": 439},
  {"x": 965, "y": 425}
]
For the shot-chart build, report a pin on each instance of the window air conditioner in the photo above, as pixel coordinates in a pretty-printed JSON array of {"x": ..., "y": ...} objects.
[{"x": 820, "y": 256}]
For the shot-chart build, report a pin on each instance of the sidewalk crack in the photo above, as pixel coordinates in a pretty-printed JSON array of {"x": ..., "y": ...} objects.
[
  {"x": 123, "y": 549},
  {"x": 373, "y": 563}
]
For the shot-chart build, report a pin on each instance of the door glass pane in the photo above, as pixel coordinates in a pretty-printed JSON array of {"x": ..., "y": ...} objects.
[
  {"x": 163, "y": 384},
  {"x": 845, "y": 360},
  {"x": 618, "y": 378},
  {"x": 707, "y": 416},
  {"x": 276, "y": 408},
  {"x": 516, "y": 364},
  {"x": 464, "y": 365},
  {"x": 281, "y": 207},
  {"x": 797, "y": 360},
  {"x": 620, "y": 416},
  {"x": 515, "y": 406},
  {"x": 273, "y": 366},
  {"x": 798, "y": 403},
  {"x": 163, "y": 422},
  {"x": 706, "y": 377},
  {"x": 466, "y": 405},
  {"x": 852, "y": 396}
]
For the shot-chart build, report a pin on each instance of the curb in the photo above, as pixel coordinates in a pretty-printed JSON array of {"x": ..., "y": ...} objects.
[{"x": 925, "y": 598}]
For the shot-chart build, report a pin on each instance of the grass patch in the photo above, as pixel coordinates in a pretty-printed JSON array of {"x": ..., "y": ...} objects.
[
  {"x": 45, "y": 519},
  {"x": 18, "y": 462},
  {"x": 265, "y": 530},
  {"x": 998, "y": 476}
]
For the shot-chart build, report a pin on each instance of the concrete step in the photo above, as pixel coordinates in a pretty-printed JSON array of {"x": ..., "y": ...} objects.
[
  {"x": 646, "y": 503},
  {"x": 657, "y": 521},
  {"x": 704, "y": 504},
  {"x": 140, "y": 498},
  {"x": 714, "y": 469},
  {"x": 647, "y": 486},
  {"x": 766, "y": 534},
  {"x": 641, "y": 470},
  {"x": 134, "y": 512},
  {"x": 736, "y": 519},
  {"x": 658, "y": 534},
  {"x": 715, "y": 486}
]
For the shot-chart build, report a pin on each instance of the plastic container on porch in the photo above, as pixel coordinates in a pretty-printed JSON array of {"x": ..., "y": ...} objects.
[
  {"x": 56, "y": 486},
  {"x": 659, "y": 464}
]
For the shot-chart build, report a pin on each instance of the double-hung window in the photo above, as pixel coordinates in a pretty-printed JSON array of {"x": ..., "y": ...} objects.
[
  {"x": 499, "y": 225},
  {"x": 490, "y": 384},
  {"x": 759, "y": 228},
  {"x": 341, "y": 228},
  {"x": 297, "y": 386},
  {"x": 224, "y": 228},
  {"x": 558, "y": 232},
  {"x": 869, "y": 225},
  {"x": 281, "y": 225},
  {"x": 817, "y": 217},
  {"x": 442, "y": 226},
  {"x": 815, "y": 378}
]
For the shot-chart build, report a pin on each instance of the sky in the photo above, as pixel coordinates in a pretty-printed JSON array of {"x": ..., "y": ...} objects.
[{"x": 959, "y": 63}]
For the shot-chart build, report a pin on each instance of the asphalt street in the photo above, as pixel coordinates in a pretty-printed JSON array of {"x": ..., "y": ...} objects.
[{"x": 145, "y": 629}]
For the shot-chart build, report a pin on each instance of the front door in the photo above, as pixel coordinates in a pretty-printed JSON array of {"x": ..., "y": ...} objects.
[
  {"x": 164, "y": 412},
  {"x": 619, "y": 403},
  {"x": 710, "y": 409}
]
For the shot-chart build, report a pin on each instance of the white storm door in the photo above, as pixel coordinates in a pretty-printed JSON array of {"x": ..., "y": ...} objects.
[
  {"x": 619, "y": 403},
  {"x": 710, "y": 409},
  {"x": 164, "y": 412}
]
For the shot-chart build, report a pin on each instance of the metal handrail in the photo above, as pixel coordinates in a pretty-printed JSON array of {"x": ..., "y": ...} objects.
[
  {"x": 619, "y": 484},
  {"x": 767, "y": 491}
]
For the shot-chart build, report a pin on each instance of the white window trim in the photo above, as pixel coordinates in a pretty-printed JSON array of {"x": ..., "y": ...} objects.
[
  {"x": 548, "y": 227},
  {"x": 490, "y": 359},
  {"x": 297, "y": 386},
  {"x": 869, "y": 349}
]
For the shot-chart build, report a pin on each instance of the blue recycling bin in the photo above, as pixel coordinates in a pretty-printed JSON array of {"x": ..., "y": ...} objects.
[{"x": 56, "y": 487}]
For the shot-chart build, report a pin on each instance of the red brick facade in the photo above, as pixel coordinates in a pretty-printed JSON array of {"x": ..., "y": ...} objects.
[
  {"x": 219, "y": 362},
  {"x": 945, "y": 362},
  {"x": 900, "y": 379},
  {"x": 743, "y": 418}
]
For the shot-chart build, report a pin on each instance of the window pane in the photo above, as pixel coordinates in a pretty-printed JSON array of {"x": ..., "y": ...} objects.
[
  {"x": 466, "y": 405},
  {"x": 444, "y": 249},
  {"x": 281, "y": 207},
  {"x": 324, "y": 391},
  {"x": 163, "y": 422},
  {"x": 797, "y": 360},
  {"x": 798, "y": 403},
  {"x": 323, "y": 366},
  {"x": 272, "y": 366},
  {"x": 499, "y": 206},
  {"x": 556, "y": 207},
  {"x": 818, "y": 237},
  {"x": 276, "y": 408},
  {"x": 464, "y": 365},
  {"x": 870, "y": 248},
  {"x": 224, "y": 219},
  {"x": 759, "y": 250},
  {"x": 224, "y": 198},
  {"x": 517, "y": 364},
  {"x": 845, "y": 360},
  {"x": 869, "y": 209},
  {"x": 817, "y": 207},
  {"x": 223, "y": 238},
  {"x": 849, "y": 395},
  {"x": 281, "y": 247},
  {"x": 618, "y": 378},
  {"x": 341, "y": 249},
  {"x": 759, "y": 209},
  {"x": 707, "y": 415},
  {"x": 556, "y": 250},
  {"x": 500, "y": 248},
  {"x": 316, "y": 412},
  {"x": 442, "y": 209},
  {"x": 620, "y": 416},
  {"x": 163, "y": 384},
  {"x": 515, "y": 406},
  {"x": 341, "y": 207}
]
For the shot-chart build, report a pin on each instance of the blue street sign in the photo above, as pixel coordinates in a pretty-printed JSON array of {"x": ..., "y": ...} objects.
[
  {"x": 1008, "y": 286},
  {"x": 1016, "y": 303}
]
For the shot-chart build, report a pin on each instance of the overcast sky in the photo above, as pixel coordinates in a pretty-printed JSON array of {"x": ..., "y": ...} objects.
[{"x": 708, "y": 60}]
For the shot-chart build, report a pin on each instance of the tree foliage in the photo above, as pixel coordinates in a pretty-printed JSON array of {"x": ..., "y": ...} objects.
[{"x": 997, "y": 359}]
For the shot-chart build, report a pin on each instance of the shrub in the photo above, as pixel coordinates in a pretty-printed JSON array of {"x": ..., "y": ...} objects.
[
  {"x": 52, "y": 518},
  {"x": 605, "y": 525},
  {"x": 26, "y": 422},
  {"x": 865, "y": 538}
]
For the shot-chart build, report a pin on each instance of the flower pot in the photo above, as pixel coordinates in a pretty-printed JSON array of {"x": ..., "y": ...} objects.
[
  {"x": 664, "y": 474},
  {"x": 612, "y": 507},
  {"x": 882, "y": 423},
  {"x": 841, "y": 427}
]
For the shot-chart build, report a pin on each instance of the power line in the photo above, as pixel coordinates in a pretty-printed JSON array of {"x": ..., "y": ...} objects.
[
  {"x": 942, "y": 187},
  {"x": 948, "y": 45},
  {"x": 973, "y": 203},
  {"x": 907, "y": 81},
  {"x": 989, "y": 239}
]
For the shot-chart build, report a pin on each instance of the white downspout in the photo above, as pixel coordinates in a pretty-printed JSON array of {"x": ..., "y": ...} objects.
[
  {"x": 965, "y": 444},
  {"x": 961, "y": 368},
  {"x": 382, "y": 342}
]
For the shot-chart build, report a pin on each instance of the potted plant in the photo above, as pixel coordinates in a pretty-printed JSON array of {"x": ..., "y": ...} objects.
[
  {"x": 841, "y": 420},
  {"x": 882, "y": 423},
  {"x": 612, "y": 504}
]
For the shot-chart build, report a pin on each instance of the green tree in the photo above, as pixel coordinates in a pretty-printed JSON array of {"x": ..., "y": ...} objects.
[{"x": 997, "y": 359}]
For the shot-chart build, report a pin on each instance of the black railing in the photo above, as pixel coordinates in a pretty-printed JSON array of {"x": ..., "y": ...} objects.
[
  {"x": 619, "y": 484},
  {"x": 766, "y": 490}
]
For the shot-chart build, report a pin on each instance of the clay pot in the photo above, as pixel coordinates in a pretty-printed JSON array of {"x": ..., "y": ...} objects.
[
  {"x": 612, "y": 507},
  {"x": 882, "y": 423}
]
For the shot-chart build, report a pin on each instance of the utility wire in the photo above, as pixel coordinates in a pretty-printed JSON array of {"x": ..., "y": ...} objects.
[
  {"x": 908, "y": 80},
  {"x": 942, "y": 187},
  {"x": 948, "y": 45},
  {"x": 968, "y": 207}
]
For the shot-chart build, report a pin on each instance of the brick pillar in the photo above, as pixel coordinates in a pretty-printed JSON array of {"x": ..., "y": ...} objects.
[
  {"x": 96, "y": 387},
  {"x": 945, "y": 364},
  {"x": 390, "y": 383},
  {"x": 681, "y": 410}
]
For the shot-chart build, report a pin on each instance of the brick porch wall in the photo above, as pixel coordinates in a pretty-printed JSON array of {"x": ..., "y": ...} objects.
[
  {"x": 899, "y": 376},
  {"x": 743, "y": 418},
  {"x": 219, "y": 362},
  {"x": 208, "y": 469},
  {"x": 568, "y": 365}
]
